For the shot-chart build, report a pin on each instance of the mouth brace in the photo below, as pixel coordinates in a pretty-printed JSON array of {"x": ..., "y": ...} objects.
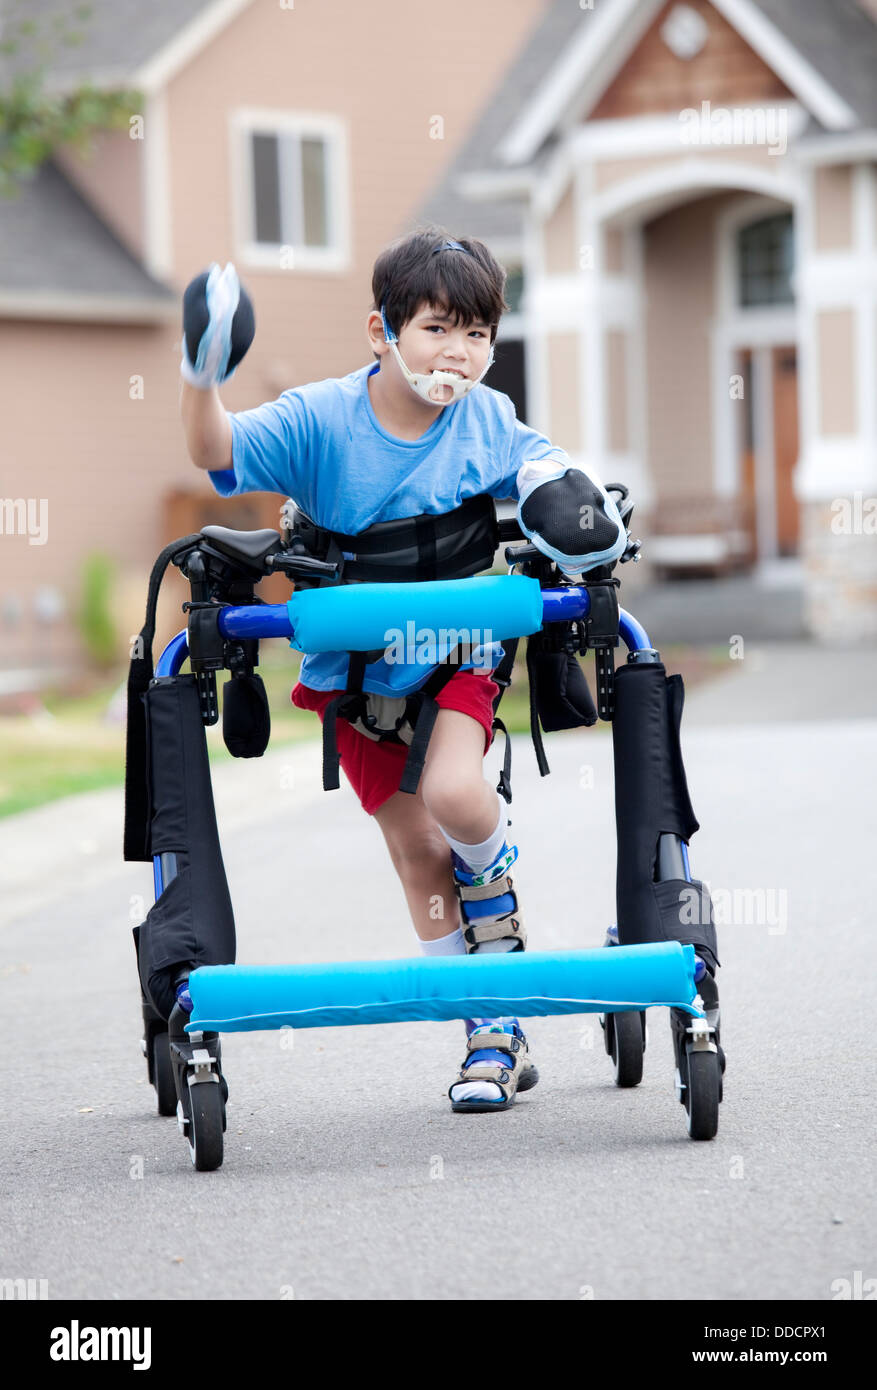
[{"x": 429, "y": 385}]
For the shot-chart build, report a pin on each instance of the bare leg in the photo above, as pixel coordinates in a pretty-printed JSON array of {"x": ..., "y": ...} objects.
[
  {"x": 453, "y": 785},
  {"x": 422, "y": 859}
]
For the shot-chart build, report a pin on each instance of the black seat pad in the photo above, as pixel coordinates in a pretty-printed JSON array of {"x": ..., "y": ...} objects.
[{"x": 246, "y": 545}]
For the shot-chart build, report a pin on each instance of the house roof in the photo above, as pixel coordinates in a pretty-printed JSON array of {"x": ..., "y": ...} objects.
[
  {"x": 59, "y": 260},
  {"x": 829, "y": 46},
  {"x": 839, "y": 38},
  {"x": 122, "y": 43}
]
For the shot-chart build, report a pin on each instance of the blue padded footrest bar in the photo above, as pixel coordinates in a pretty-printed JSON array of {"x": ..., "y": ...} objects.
[
  {"x": 243, "y": 998},
  {"x": 358, "y": 617}
]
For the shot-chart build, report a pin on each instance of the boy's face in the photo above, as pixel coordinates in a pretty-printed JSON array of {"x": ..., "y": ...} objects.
[{"x": 431, "y": 341}]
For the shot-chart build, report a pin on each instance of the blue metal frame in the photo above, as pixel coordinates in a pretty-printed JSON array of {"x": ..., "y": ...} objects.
[{"x": 272, "y": 620}]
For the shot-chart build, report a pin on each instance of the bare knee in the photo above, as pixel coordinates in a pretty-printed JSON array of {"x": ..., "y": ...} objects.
[
  {"x": 418, "y": 850},
  {"x": 447, "y": 797}
]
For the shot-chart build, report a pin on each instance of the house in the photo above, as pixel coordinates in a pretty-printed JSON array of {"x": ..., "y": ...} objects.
[
  {"x": 684, "y": 195},
  {"x": 689, "y": 193},
  {"x": 292, "y": 137}
]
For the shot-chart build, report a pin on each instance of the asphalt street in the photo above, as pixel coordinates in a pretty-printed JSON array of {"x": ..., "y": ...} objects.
[{"x": 346, "y": 1174}]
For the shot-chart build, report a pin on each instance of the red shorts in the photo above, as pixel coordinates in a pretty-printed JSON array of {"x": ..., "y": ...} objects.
[{"x": 374, "y": 770}]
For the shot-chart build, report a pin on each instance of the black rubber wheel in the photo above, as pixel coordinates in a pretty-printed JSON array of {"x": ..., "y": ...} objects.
[
  {"x": 163, "y": 1075},
  {"x": 701, "y": 1094},
  {"x": 627, "y": 1039},
  {"x": 205, "y": 1125}
]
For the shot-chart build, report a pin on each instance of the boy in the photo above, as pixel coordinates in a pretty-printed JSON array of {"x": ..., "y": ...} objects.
[{"x": 410, "y": 435}]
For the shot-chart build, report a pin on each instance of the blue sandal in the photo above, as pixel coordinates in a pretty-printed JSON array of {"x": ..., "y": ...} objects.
[{"x": 505, "y": 1063}]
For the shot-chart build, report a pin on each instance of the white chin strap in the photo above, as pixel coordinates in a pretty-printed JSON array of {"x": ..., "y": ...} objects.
[{"x": 430, "y": 385}]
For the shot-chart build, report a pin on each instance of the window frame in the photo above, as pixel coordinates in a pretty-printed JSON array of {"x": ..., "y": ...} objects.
[
  {"x": 252, "y": 254},
  {"x": 744, "y": 305}
]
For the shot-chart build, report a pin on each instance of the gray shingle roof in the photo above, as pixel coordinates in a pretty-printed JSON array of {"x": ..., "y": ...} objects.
[
  {"x": 53, "y": 247},
  {"x": 502, "y": 218},
  {"x": 839, "y": 40},
  {"x": 118, "y": 36}
]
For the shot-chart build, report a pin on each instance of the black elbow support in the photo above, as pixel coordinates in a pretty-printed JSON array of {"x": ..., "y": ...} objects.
[{"x": 573, "y": 520}]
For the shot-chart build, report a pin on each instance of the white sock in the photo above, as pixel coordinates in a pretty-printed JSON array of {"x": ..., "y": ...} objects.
[
  {"x": 454, "y": 945},
  {"x": 479, "y": 856},
  {"x": 450, "y": 945}
]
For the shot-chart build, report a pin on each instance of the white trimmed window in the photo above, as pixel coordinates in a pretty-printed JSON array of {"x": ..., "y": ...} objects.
[{"x": 290, "y": 185}]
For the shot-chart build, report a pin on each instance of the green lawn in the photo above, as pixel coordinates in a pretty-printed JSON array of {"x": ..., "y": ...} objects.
[{"x": 72, "y": 748}]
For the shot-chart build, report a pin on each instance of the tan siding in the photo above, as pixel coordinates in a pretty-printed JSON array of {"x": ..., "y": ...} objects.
[
  {"x": 559, "y": 233},
  {"x": 613, "y": 250},
  {"x": 617, "y": 359},
  {"x": 564, "y": 390},
  {"x": 725, "y": 72},
  {"x": 110, "y": 179},
  {"x": 679, "y": 278},
  {"x": 833, "y": 207},
  {"x": 332, "y": 58},
  {"x": 836, "y": 330}
]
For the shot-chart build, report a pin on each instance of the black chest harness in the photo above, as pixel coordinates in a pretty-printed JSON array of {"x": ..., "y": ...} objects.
[{"x": 455, "y": 545}]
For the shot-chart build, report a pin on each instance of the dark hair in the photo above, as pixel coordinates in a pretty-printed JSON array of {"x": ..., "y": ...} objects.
[{"x": 467, "y": 287}]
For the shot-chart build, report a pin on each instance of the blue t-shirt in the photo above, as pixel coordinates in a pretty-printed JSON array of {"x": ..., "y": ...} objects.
[{"x": 322, "y": 445}]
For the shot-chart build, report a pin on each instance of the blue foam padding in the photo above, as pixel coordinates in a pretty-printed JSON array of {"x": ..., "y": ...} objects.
[
  {"x": 359, "y": 617},
  {"x": 242, "y": 998}
]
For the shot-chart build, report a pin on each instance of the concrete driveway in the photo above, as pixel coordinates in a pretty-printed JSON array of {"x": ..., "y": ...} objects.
[{"x": 346, "y": 1175}]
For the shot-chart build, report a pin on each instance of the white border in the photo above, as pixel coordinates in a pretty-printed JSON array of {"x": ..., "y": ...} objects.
[
  {"x": 243, "y": 122},
  {"x": 637, "y": 136}
]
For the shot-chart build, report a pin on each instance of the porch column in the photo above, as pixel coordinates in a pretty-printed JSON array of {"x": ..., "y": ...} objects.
[{"x": 836, "y": 482}]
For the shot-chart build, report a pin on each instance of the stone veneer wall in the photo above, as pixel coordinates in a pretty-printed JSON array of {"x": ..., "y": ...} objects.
[{"x": 840, "y": 565}]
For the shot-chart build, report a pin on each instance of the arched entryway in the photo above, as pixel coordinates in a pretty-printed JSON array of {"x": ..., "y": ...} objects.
[{"x": 711, "y": 371}]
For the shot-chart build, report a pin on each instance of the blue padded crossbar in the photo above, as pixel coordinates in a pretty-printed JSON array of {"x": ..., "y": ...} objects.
[
  {"x": 242, "y": 998},
  {"x": 358, "y": 617}
]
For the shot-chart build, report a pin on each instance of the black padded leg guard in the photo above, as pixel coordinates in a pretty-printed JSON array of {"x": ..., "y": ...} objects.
[
  {"x": 192, "y": 922},
  {"x": 651, "y": 798}
]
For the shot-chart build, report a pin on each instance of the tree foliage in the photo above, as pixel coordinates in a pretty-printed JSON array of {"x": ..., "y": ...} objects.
[{"x": 36, "y": 117}]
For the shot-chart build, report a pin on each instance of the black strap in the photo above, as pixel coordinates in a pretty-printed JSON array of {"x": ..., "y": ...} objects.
[
  {"x": 535, "y": 730},
  {"x": 427, "y": 715},
  {"x": 136, "y": 833},
  {"x": 342, "y": 703},
  {"x": 504, "y": 785},
  {"x": 449, "y": 545},
  {"x": 424, "y": 527},
  {"x": 502, "y": 676}
]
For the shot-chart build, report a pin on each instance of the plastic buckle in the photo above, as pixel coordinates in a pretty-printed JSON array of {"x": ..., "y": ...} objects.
[{"x": 601, "y": 624}]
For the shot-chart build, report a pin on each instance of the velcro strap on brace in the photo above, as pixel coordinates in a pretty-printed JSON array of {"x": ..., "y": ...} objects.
[
  {"x": 470, "y": 892},
  {"x": 504, "y": 926},
  {"x": 496, "y": 929},
  {"x": 499, "y": 1042}
]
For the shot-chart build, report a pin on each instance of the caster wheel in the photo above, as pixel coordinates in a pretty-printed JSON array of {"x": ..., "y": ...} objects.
[
  {"x": 702, "y": 1093},
  {"x": 163, "y": 1075},
  {"x": 625, "y": 1043},
  {"x": 206, "y": 1124}
]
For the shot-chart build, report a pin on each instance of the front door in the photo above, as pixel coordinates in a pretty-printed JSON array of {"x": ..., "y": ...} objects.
[{"x": 785, "y": 434}]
